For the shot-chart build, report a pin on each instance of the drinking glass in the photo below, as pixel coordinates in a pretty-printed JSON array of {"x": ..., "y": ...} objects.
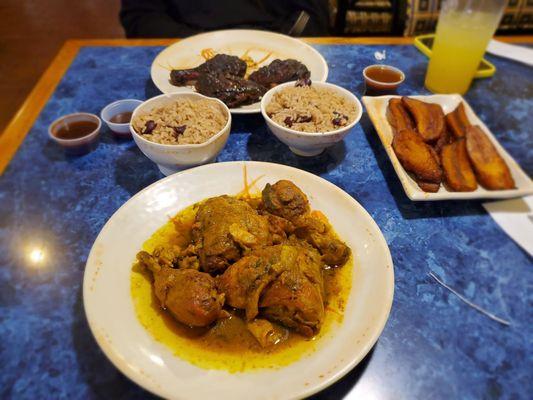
[{"x": 463, "y": 33}]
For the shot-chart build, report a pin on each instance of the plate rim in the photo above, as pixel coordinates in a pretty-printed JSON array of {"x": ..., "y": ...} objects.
[
  {"x": 411, "y": 189},
  {"x": 130, "y": 371},
  {"x": 239, "y": 110}
]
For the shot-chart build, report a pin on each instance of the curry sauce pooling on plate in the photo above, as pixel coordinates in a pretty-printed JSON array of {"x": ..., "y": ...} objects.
[{"x": 243, "y": 282}]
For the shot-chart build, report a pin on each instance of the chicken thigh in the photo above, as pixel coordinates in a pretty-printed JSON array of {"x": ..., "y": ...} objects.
[{"x": 224, "y": 229}]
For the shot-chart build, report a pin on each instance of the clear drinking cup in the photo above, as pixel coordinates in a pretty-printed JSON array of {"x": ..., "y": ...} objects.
[{"x": 463, "y": 33}]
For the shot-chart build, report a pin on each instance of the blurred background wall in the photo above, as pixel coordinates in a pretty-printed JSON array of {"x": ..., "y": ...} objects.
[{"x": 33, "y": 31}]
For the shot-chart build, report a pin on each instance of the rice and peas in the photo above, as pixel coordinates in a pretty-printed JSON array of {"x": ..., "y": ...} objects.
[
  {"x": 182, "y": 122},
  {"x": 310, "y": 109}
]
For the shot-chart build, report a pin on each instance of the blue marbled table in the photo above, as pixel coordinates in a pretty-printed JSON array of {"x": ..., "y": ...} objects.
[{"x": 433, "y": 346}]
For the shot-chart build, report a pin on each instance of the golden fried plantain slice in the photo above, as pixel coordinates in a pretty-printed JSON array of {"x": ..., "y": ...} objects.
[
  {"x": 429, "y": 118},
  {"x": 416, "y": 156},
  {"x": 398, "y": 116},
  {"x": 458, "y": 174},
  {"x": 446, "y": 138},
  {"x": 428, "y": 186},
  {"x": 491, "y": 170},
  {"x": 457, "y": 121}
]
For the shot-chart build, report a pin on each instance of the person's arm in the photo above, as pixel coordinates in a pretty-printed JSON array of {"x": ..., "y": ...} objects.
[{"x": 150, "y": 18}]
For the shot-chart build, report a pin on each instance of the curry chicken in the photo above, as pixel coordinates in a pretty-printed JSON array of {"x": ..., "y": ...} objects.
[{"x": 263, "y": 260}]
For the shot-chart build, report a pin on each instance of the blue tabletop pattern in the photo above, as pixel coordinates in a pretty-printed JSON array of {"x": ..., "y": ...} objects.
[{"x": 433, "y": 346}]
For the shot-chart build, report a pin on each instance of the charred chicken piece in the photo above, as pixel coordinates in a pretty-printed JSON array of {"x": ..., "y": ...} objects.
[
  {"x": 189, "y": 295},
  {"x": 491, "y": 170},
  {"x": 226, "y": 227},
  {"x": 280, "y": 71},
  {"x": 457, "y": 121},
  {"x": 429, "y": 118},
  {"x": 234, "y": 91},
  {"x": 416, "y": 156},
  {"x": 219, "y": 64}
]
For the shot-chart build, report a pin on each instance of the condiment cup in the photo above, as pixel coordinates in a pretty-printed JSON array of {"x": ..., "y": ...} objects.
[
  {"x": 171, "y": 158},
  {"x": 379, "y": 86},
  {"x": 306, "y": 143},
  {"x": 117, "y": 107},
  {"x": 80, "y": 145}
]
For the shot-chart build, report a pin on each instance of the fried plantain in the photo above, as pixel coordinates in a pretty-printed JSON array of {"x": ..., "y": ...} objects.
[
  {"x": 429, "y": 118},
  {"x": 416, "y": 156},
  {"x": 428, "y": 186},
  {"x": 457, "y": 121},
  {"x": 398, "y": 116},
  {"x": 491, "y": 170},
  {"x": 458, "y": 174},
  {"x": 446, "y": 138}
]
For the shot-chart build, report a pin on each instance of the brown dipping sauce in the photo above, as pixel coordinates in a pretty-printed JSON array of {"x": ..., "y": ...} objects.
[
  {"x": 76, "y": 129},
  {"x": 383, "y": 74},
  {"x": 121, "y": 118}
]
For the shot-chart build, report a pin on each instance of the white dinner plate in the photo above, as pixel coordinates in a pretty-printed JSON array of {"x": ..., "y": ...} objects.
[
  {"x": 376, "y": 107},
  {"x": 187, "y": 54},
  {"x": 110, "y": 310}
]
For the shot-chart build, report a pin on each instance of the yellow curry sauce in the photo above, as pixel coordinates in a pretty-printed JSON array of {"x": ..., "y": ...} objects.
[{"x": 228, "y": 345}]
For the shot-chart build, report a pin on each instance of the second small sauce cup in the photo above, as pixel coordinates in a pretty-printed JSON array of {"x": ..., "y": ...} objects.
[
  {"x": 382, "y": 79},
  {"x": 117, "y": 116}
]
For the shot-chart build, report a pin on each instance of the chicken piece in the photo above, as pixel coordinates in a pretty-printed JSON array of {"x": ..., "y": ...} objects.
[
  {"x": 398, "y": 117},
  {"x": 173, "y": 257},
  {"x": 248, "y": 282},
  {"x": 279, "y": 227},
  {"x": 315, "y": 229},
  {"x": 224, "y": 228},
  {"x": 458, "y": 174},
  {"x": 265, "y": 332},
  {"x": 280, "y": 71},
  {"x": 219, "y": 64},
  {"x": 491, "y": 170},
  {"x": 295, "y": 302},
  {"x": 234, "y": 91},
  {"x": 429, "y": 118},
  {"x": 189, "y": 295},
  {"x": 416, "y": 156},
  {"x": 244, "y": 281},
  {"x": 285, "y": 200},
  {"x": 457, "y": 121}
]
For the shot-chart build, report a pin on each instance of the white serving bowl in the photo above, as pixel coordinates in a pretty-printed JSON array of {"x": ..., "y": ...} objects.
[
  {"x": 306, "y": 143},
  {"x": 121, "y": 130},
  {"x": 171, "y": 158}
]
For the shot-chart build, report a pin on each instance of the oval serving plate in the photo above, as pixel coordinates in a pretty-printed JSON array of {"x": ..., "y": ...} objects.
[
  {"x": 110, "y": 311},
  {"x": 256, "y": 44}
]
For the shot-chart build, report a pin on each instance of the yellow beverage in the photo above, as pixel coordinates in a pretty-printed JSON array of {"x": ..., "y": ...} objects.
[{"x": 461, "y": 39}]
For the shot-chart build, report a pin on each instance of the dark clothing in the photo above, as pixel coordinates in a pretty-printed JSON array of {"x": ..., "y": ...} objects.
[{"x": 180, "y": 18}]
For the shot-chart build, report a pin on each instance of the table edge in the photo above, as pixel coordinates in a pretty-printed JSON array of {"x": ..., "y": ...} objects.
[{"x": 25, "y": 117}]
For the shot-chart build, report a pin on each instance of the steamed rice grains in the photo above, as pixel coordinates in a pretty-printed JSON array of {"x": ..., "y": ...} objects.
[
  {"x": 311, "y": 109},
  {"x": 182, "y": 122}
]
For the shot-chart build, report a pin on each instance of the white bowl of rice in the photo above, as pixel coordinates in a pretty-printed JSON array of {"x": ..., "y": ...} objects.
[
  {"x": 309, "y": 119},
  {"x": 180, "y": 130}
]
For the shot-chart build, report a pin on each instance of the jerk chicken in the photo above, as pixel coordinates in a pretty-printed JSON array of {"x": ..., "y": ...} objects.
[
  {"x": 266, "y": 257},
  {"x": 223, "y": 77}
]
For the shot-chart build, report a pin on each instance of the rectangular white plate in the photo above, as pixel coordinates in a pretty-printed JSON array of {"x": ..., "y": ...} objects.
[{"x": 376, "y": 108}]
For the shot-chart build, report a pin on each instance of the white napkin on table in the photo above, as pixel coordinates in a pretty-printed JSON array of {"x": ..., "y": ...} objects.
[
  {"x": 511, "y": 51},
  {"x": 515, "y": 217}
]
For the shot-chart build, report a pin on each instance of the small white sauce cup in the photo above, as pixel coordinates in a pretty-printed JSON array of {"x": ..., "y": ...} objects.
[{"x": 118, "y": 107}]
